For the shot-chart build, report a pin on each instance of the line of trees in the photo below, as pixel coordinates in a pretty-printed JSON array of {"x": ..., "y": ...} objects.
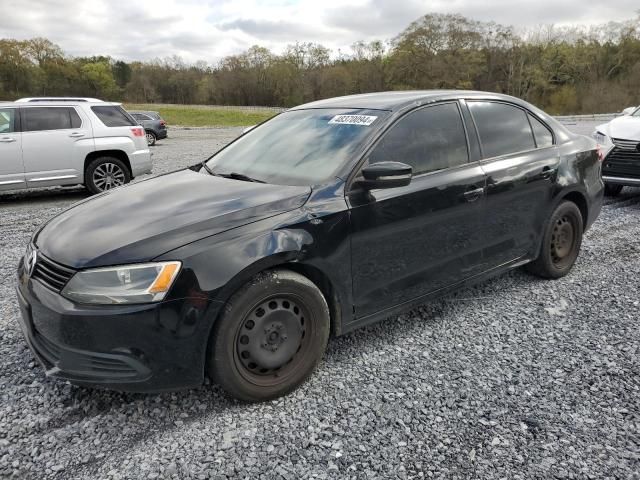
[{"x": 563, "y": 70}]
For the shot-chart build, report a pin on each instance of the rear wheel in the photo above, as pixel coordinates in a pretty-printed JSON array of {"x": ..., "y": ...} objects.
[
  {"x": 560, "y": 244},
  {"x": 106, "y": 173},
  {"x": 612, "y": 190},
  {"x": 270, "y": 337},
  {"x": 151, "y": 138}
]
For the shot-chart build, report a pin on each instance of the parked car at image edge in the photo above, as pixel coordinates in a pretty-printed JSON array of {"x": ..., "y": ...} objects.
[
  {"x": 154, "y": 125},
  {"x": 620, "y": 140},
  {"x": 327, "y": 217},
  {"x": 68, "y": 141}
]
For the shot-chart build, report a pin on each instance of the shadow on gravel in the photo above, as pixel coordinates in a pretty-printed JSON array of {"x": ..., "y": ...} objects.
[{"x": 54, "y": 194}]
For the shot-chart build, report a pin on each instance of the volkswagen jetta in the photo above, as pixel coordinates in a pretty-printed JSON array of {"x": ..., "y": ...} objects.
[{"x": 330, "y": 216}]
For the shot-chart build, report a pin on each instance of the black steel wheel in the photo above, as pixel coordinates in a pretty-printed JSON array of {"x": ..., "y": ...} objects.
[
  {"x": 561, "y": 242},
  {"x": 612, "y": 190},
  {"x": 270, "y": 336}
]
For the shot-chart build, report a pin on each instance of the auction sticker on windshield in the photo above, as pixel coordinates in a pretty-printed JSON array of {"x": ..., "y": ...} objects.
[{"x": 365, "y": 120}]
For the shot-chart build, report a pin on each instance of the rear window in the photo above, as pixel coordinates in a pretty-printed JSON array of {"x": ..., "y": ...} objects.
[
  {"x": 50, "y": 118},
  {"x": 114, "y": 116}
]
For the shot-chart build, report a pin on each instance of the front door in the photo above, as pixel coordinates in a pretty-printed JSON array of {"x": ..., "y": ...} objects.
[
  {"x": 413, "y": 240},
  {"x": 11, "y": 166}
]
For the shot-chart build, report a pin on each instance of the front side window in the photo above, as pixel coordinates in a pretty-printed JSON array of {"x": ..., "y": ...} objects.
[
  {"x": 299, "y": 147},
  {"x": 7, "y": 120},
  {"x": 50, "y": 118},
  {"x": 430, "y": 139},
  {"x": 114, "y": 116},
  {"x": 503, "y": 129}
]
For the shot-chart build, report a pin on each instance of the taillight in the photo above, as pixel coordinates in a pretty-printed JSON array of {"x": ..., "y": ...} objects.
[
  {"x": 162, "y": 122},
  {"x": 600, "y": 152},
  {"x": 137, "y": 131}
]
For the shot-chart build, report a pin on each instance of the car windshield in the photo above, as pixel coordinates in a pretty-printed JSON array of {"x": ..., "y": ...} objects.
[
  {"x": 636, "y": 113},
  {"x": 299, "y": 147}
]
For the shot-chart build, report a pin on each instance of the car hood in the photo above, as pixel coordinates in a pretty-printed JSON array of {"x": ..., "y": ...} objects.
[
  {"x": 143, "y": 220},
  {"x": 626, "y": 128}
]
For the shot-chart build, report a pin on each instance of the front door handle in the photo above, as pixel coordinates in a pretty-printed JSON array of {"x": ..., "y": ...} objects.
[
  {"x": 547, "y": 172},
  {"x": 473, "y": 195},
  {"x": 76, "y": 135},
  {"x": 7, "y": 139}
]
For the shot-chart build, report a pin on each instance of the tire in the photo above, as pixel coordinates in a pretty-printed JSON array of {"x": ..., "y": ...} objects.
[
  {"x": 560, "y": 244},
  {"x": 151, "y": 138},
  {"x": 105, "y": 173},
  {"x": 612, "y": 190},
  {"x": 270, "y": 337}
]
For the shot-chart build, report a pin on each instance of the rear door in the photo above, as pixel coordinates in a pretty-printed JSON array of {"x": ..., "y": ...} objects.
[
  {"x": 413, "y": 240},
  {"x": 11, "y": 166},
  {"x": 55, "y": 142},
  {"x": 521, "y": 169}
]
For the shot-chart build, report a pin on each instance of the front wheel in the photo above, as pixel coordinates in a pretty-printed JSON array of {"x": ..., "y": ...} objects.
[
  {"x": 611, "y": 190},
  {"x": 270, "y": 336},
  {"x": 105, "y": 173},
  {"x": 560, "y": 244}
]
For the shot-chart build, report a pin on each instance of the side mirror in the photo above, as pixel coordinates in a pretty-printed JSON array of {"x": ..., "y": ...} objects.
[{"x": 385, "y": 175}]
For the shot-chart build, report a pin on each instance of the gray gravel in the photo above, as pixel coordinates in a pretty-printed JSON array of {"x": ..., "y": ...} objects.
[{"x": 517, "y": 378}]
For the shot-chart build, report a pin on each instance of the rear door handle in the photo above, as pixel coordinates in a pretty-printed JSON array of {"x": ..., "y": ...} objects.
[
  {"x": 76, "y": 135},
  {"x": 7, "y": 139},
  {"x": 473, "y": 195}
]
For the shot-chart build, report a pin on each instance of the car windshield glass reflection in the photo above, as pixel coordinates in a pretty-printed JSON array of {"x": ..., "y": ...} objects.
[{"x": 302, "y": 147}]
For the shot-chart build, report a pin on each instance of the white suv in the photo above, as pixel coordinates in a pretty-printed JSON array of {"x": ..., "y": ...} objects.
[{"x": 67, "y": 141}]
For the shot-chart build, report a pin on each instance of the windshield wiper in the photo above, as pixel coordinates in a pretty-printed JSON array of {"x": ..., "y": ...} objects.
[
  {"x": 206, "y": 167},
  {"x": 240, "y": 176}
]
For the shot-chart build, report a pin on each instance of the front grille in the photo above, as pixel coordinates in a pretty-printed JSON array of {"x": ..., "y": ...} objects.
[
  {"x": 51, "y": 274},
  {"x": 626, "y": 144},
  {"x": 623, "y": 160}
]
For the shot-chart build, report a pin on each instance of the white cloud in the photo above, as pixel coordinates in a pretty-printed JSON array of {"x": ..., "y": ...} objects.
[{"x": 211, "y": 29}]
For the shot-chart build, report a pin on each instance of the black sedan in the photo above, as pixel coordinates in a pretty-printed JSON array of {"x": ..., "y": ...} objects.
[{"x": 329, "y": 216}]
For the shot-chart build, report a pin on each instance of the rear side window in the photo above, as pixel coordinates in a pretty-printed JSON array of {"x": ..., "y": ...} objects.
[
  {"x": 543, "y": 136},
  {"x": 430, "y": 139},
  {"x": 7, "y": 120},
  {"x": 503, "y": 128},
  {"x": 114, "y": 116},
  {"x": 50, "y": 118}
]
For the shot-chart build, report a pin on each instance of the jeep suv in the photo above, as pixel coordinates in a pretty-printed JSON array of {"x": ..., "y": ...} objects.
[{"x": 67, "y": 141}]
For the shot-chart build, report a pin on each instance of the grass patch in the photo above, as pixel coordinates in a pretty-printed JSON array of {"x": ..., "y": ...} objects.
[{"x": 202, "y": 116}]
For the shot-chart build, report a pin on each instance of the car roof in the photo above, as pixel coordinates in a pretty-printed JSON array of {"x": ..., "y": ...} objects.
[
  {"x": 58, "y": 103},
  {"x": 398, "y": 100},
  {"x": 145, "y": 112},
  {"x": 58, "y": 99}
]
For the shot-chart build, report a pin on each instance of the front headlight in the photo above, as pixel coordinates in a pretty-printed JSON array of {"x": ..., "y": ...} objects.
[
  {"x": 599, "y": 137},
  {"x": 141, "y": 283}
]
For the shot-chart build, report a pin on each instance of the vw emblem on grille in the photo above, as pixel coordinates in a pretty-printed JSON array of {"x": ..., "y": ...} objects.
[{"x": 30, "y": 261}]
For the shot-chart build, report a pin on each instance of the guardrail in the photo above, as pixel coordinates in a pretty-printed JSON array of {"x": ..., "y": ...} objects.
[{"x": 602, "y": 117}]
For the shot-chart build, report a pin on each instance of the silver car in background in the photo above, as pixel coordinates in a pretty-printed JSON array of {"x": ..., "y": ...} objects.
[{"x": 67, "y": 141}]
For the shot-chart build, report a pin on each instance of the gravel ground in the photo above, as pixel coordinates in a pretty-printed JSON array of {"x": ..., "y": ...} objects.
[{"x": 517, "y": 378}]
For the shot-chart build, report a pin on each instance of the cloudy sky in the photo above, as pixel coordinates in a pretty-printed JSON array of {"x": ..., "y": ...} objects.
[{"x": 210, "y": 29}]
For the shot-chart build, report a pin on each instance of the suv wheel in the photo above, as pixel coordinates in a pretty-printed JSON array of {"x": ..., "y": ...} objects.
[
  {"x": 560, "y": 244},
  {"x": 611, "y": 190},
  {"x": 105, "y": 173},
  {"x": 151, "y": 138},
  {"x": 270, "y": 336}
]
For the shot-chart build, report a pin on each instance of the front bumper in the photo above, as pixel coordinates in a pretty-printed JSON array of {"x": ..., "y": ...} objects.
[{"x": 141, "y": 348}]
